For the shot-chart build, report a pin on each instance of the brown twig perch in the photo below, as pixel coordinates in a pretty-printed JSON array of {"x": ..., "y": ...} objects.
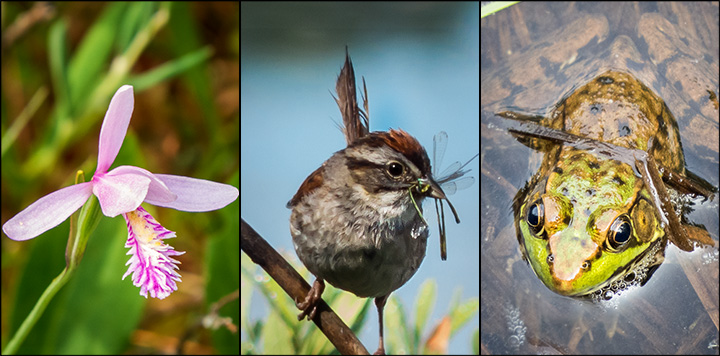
[{"x": 297, "y": 288}]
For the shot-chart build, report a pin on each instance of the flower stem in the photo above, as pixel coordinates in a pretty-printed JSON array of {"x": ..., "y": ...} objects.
[
  {"x": 37, "y": 312},
  {"x": 82, "y": 225}
]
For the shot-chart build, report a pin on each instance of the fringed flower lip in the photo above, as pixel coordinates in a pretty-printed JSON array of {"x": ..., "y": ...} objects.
[
  {"x": 151, "y": 264},
  {"x": 121, "y": 191}
]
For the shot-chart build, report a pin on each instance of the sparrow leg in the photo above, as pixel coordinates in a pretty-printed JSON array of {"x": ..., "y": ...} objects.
[
  {"x": 309, "y": 305},
  {"x": 380, "y": 304}
]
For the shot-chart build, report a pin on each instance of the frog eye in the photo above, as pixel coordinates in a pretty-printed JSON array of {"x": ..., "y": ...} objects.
[
  {"x": 536, "y": 216},
  {"x": 619, "y": 233}
]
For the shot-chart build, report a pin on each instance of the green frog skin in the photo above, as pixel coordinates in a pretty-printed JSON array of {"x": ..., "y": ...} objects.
[{"x": 585, "y": 221}]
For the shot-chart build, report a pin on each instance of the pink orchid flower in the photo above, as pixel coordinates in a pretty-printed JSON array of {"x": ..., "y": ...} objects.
[{"x": 121, "y": 191}]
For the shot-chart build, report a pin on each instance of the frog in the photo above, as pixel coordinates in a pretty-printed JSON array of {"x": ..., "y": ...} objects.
[
  {"x": 587, "y": 224},
  {"x": 584, "y": 221},
  {"x": 531, "y": 58}
]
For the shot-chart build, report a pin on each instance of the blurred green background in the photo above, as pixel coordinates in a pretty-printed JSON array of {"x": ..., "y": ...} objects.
[{"x": 61, "y": 63}]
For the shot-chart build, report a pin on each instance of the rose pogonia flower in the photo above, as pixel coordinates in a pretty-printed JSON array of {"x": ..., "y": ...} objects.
[{"x": 121, "y": 191}]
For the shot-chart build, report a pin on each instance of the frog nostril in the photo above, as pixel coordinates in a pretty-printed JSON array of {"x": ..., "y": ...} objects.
[
  {"x": 624, "y": 131},
  {"x": 605, "y": 80}
]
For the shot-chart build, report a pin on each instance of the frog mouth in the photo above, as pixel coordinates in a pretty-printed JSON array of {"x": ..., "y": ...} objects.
[{"x": 636, "y": 273}]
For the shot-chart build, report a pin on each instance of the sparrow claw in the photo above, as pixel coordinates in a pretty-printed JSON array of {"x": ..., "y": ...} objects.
[
  {"x": 309, "y": 305},
  {"x": 308, "y": 309},
  {"x": 310, "y": 315}
]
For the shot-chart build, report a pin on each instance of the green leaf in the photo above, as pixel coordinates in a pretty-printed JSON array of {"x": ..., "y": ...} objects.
[
  {"x": 397, "y": 333},
  {"x": 424, "y": 304},
  {"x": 223, "y": 269},
  {"x": 57, "y": 55},
  {"x": 91, "y": 59},
  {"x": 170, "y": 69},
  {"x": 276, "y": 336},
  {"x": 463, "y": 313},
  {"x": 493, "y": 7}
]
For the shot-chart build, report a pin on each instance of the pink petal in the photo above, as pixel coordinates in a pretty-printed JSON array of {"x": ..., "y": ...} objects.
[
  {"x": 47, "y": 212},
  {"x": 114, "y": 127},
  {"x": 120, "y": 194},
  {"x": 158, "y": 191},
  {"x": 196, "y": 194}
]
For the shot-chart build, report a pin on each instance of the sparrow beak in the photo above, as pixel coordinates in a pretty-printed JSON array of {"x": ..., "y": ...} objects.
[{"x": 429, "y": 188}]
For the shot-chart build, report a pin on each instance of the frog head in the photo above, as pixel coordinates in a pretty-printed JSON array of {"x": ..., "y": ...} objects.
[{"x": 585, "y": 222}]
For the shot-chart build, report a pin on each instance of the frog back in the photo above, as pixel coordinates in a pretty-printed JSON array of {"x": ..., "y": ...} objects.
[{"x": 618, "y": 109}]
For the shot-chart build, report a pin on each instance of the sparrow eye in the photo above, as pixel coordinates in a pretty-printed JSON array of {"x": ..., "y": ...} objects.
[{"x": 395, "y": 169}]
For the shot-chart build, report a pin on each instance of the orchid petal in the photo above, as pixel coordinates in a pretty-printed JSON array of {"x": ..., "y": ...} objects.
[
  {"x": 114, "y": 127},
  {"x": 157, "y": 191},
  {"x": 120, "y": 194},
  {"x": 47, "y": 212},
  {"x": 196, "y": 194}
]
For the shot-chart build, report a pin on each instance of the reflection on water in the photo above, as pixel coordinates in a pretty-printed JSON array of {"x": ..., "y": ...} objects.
[
  {"x": 537, "y": 318},
  {"x": 677, "y": 310}
]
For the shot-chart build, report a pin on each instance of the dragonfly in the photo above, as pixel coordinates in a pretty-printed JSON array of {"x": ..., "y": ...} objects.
[{"x": 450, "y": 180}]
